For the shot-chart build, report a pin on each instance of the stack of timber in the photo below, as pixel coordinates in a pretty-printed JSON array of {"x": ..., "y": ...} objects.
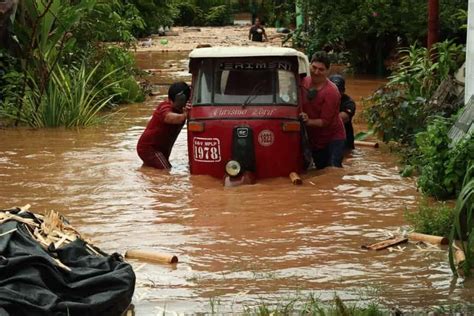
[{"x": 50, "y": 231}]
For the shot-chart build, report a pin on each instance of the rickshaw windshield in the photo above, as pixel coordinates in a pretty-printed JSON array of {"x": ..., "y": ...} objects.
[{"x": 245, "y": 83}]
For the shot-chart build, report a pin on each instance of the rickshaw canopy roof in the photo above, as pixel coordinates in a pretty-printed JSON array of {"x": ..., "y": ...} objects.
[{"x": 252, "y": 51}]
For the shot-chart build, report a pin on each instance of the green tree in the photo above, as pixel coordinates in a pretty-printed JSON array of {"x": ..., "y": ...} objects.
[{"x": 371, "y": 30}]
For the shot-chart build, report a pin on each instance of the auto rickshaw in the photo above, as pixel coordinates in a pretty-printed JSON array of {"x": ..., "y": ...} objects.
[{"x": 243, "y": 124}]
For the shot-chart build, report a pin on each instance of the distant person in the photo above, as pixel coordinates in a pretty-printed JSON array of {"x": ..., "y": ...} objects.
[
  {"x": 347, "y": 109},
  {"x": 257, "y": 32},
  {"x": 321, "y": 114},
  {"x": 155, "y": 144}
]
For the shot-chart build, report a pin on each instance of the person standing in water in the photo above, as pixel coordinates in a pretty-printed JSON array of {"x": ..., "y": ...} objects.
[
  {"x": 347, "y": 110},
  {"x": 155, "y": 144},
  {"x": 321, "y": 114},
  {"x": 257, "y": 32}
]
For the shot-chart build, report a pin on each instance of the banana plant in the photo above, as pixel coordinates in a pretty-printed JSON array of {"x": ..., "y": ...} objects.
[
  {"x": 463, "y": 228},
  {"x": 42, "y": 31}
]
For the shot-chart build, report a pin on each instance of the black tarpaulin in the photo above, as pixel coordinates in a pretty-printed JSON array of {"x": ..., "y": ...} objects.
[{"x": 33, "y": 283}]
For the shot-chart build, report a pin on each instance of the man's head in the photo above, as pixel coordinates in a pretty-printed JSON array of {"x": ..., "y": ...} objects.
[
  {"x": 339, "y": 81},
  {"x": 319, "y": 66},
  {"x": 179, "y": 93},
  {"x": 257, "y": 21}
]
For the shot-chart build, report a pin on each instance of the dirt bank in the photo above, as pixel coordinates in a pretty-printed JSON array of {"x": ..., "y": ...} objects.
[{"x": 188, "y": 38}]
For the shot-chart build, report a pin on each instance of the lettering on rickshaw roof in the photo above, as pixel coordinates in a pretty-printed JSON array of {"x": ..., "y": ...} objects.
[{"x": 280, "y": 65}]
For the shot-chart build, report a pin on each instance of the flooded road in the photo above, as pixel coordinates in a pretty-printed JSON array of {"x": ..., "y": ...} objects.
[{"x": 237, "y": 246}]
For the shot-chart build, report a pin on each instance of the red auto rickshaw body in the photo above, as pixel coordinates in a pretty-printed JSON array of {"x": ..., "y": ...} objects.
[{"x": 245, "y": 107}]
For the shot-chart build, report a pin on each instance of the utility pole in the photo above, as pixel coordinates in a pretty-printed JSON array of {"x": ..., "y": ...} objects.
[
  {"x": 469, "y": 79},
  {"x": 433, "y": 23}
]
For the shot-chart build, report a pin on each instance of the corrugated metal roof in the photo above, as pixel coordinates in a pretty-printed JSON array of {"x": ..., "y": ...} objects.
[{"x": 464, "y": 124}]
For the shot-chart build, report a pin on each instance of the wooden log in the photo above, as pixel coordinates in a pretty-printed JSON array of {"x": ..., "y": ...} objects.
[
  {"x": 459, "y": 256},
  {"x": 386, "y": 243},
  {"x": 366, "y": 144},
  {"x": 295, "y": 178},
  {"x": 150, "y": 255},
  {"x": 436, "y": 240}
]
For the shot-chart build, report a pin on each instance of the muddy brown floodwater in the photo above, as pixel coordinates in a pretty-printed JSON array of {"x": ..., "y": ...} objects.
[{"x": 237, "y": 246}]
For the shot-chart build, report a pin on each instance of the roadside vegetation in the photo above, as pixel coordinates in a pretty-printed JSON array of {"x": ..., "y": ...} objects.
[
  {"x": 367, "y": 34},
  {"x": 58, "y": 72}
]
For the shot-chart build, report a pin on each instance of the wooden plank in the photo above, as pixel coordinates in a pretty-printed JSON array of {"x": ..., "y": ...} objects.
[{"x": 386, "y": 243}]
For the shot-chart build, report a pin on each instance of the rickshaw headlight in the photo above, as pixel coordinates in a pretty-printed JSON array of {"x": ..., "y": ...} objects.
[{"x": 232, "y": 168}]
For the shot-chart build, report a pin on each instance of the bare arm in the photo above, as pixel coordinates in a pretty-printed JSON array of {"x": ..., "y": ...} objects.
[
  {"x": 344, "y": 117},
  {"x": 175, "y": 118},
  {"x": 312, "y": 122}
]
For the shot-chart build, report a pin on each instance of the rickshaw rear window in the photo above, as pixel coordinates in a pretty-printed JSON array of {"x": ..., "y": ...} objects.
[
  {"x": 217, "y": 85},
  {"x": 237, "y": 86}
]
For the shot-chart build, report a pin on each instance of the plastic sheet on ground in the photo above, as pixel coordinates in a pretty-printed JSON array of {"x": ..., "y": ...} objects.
[{"x": 75, "y": 278}]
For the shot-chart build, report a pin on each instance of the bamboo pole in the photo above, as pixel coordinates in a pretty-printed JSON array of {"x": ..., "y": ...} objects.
[
  {"x": 150, "y": 255},
  {"x": 295, "y": 178},
  {"x": 459, "y": 258},
  {"x": 436, "y": 240},
  {"x": 360, "y": 143}
]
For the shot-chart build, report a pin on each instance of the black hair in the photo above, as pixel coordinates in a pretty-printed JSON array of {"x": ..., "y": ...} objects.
[
  {"x": 321, "y": 57},
  {"x": 339, "y": 81},
  {"x": 179, "y": 87}
]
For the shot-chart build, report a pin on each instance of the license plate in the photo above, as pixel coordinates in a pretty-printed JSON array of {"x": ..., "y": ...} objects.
[{"x": 207, "y": 149}]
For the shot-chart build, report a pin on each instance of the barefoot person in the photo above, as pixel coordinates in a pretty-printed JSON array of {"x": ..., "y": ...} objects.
[
  {"x": 321, "y": 115},
  {"x": 155, "y": 144}
]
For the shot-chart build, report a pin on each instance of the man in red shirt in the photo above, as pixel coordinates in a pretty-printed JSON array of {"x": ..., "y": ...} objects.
[
  {"x": 321, "y": 114},
  {"x": 155, "y": 144}
]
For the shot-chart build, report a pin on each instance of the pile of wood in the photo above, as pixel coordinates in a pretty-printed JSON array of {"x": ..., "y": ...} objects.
[{"x": 51, "y": 230}]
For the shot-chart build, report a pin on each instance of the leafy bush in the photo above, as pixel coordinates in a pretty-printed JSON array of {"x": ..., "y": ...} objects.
[
  {"x": 371, "y": 30},
  {"x": 120, "y": 63},
  {"x": 219, "y": 16},
  {"x": 395, "y": 117},
  {"x": 442, "y": 164},
  {"x": 155, "y": 13},
  {"x": 189, "y": 14},
  {"x": 10, "y": 78},
  {"x": 55, "y": 41},
  {"x": 111, "y": 20},
  {"x": 431, "y": 219},
  {"x": 71, "y": 98},
  {"x": 400, "y": 109}
]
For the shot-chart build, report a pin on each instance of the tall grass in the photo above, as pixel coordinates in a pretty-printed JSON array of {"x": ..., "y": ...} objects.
[
  {"x": 464, "y": 223},
  {"x": 70, "y": 99},
  {"x": 313, "y": 306}
]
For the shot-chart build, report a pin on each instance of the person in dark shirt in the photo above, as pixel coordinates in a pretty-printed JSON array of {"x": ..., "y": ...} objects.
[
  {"x": 347, "y": 109},
  {"x": 257, "y": 32}
]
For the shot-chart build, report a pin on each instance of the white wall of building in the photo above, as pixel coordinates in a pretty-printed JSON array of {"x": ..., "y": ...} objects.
[{"x": 469, "y": 83}]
